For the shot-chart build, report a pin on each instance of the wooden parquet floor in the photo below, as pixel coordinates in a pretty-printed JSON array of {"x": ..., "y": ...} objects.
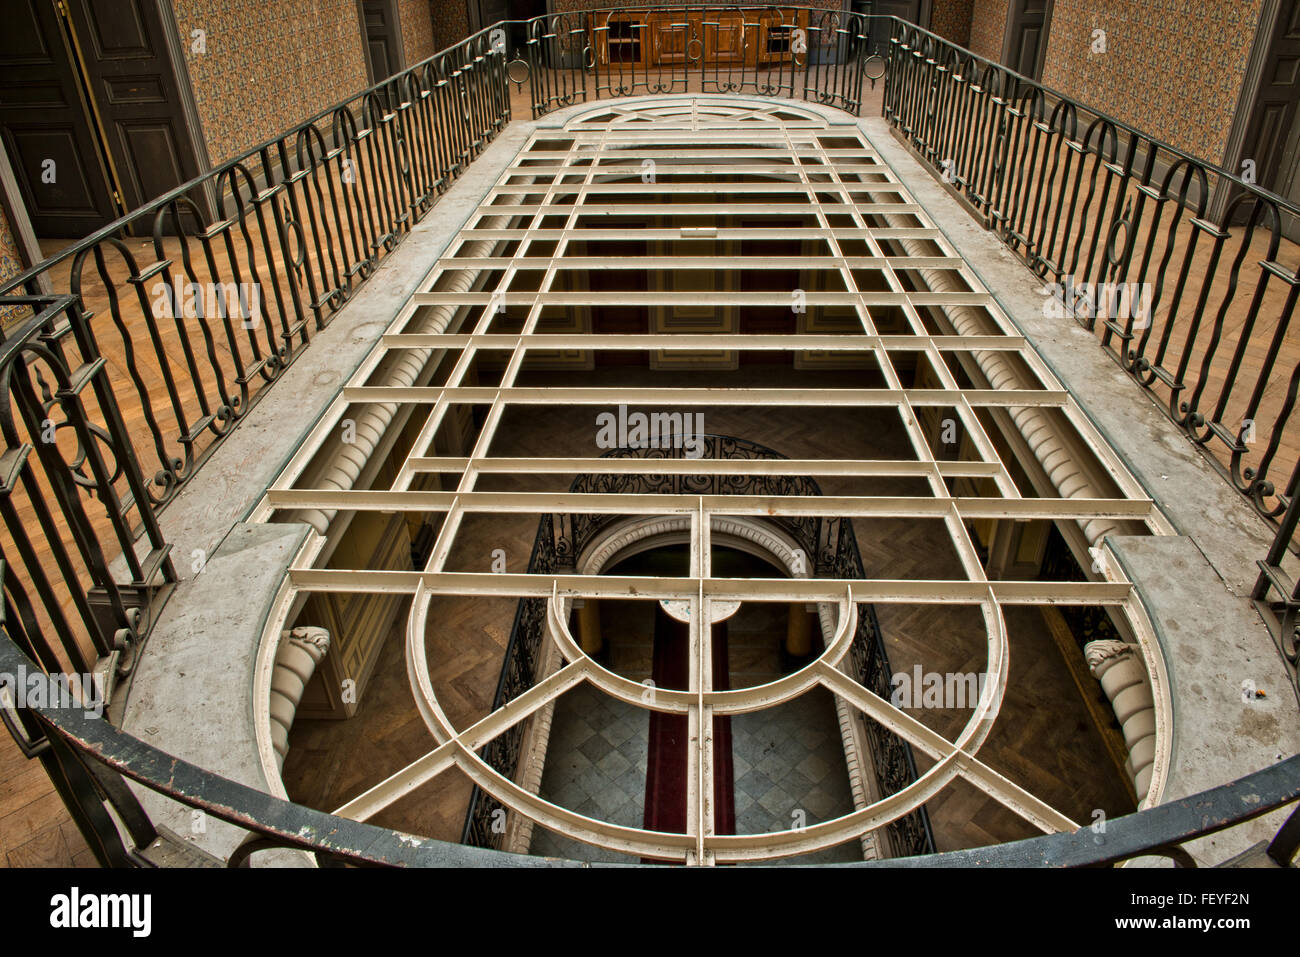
[
  {"x": 35, "y": 829},
  {"x": 1043, "y": 739}
]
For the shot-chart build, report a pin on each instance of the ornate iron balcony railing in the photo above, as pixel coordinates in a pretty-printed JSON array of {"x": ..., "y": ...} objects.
[
  {"x": 823, "y": 56},
  {"x": 88, "y": 759},
  {"x": 1109, "y": 216}
]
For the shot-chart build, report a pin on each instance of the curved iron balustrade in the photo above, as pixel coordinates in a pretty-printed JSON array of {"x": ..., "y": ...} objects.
[
  {"x": 791, "y": 51},
  {"x": 67, "y": 463},
  {"x": 1020, "y": 153},
  {"x": 831, "y": 546}
]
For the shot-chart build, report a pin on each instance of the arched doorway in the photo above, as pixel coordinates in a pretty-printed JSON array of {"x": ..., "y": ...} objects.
[{"x": 771, "y": 769}]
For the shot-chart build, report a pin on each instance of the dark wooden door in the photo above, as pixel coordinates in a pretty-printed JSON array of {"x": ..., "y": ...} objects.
[
  {"x": 383, "y": 39},
  {"x": 90, "y": 110},
  {"x": 47, "y": 125},
  {"x": 133, "y": 81},
  {"x": 1027, "y": 36},
  {"x": 913, "y": 11},
  {"x": 494, "y": 11},
  {"x": 1273, "y": 137}
]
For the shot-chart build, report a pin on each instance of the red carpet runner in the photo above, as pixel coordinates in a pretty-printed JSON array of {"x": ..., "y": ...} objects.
[{"x": 666, "y": 767}]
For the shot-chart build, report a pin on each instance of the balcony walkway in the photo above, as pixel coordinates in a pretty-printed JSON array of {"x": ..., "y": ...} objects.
[
  {"x": 1288, "y": 357},
  {"x": 1198, "y": 500}
]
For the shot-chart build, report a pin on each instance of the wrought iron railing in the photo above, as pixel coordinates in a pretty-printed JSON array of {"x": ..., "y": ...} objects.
[
  {"x": 816, "y": 54},
  {"x": 71, "y": 496},
  {"x": 1182, "y": 269},
  {"x": 832, "y": 551}
]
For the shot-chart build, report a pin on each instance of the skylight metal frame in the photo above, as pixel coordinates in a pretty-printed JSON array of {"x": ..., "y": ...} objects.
[{"x": 731, "y": 138}]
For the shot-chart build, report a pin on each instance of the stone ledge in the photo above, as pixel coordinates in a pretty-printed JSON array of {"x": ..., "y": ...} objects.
[
  {"x": 192, "y": 692},
  {"x": 229, "y": 484},
  {"x": 1209, "y": 642}
]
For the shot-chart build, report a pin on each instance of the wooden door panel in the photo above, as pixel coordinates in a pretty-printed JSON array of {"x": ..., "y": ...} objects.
[
  {"x": 153, "y": 156},
  {"x": 69, "y": 203},
  {"x": 909, "y": 10},
  {"x": 724, "y": 38},
  {"x": 382, "y": 41},
  {"x": 1027, "y": 31},
  {"x": 116, "y": 31},
  {"x": 1279, "y": 94},
  {"x": 44, "y": 120},
  {"x": 1026, "y": 55},
  {"x": 1272, "y": 140},
  {"x": 669, "y": 35},
  {"x": 689, "y": 37},
  {"x": 130, "y": 71}
]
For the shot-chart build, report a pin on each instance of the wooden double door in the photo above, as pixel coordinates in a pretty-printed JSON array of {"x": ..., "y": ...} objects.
[
  {"x": 91, "y": 114},
  {"x": 1272, "y": 139},
  {"x": 691, "y": 37}
]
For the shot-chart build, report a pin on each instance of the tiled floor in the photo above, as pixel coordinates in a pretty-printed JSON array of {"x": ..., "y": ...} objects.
[
  {"x": 596, "y": 765},
  {"x": 789, "y": 766},
  {"x": 789, "y": 761},
  {"x": 790, "y": 771}
]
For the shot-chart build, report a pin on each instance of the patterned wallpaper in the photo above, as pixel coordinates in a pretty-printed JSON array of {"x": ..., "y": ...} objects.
[
  {"x": 450, "y": 22},
  {"x": 1162, "y": 57},
  {"x": 988, "y": 27},
  {"x": 951, "y": 20},
  {"x": 11, "y": 264},
  {"x": 267, "y": 66},
  {"x": 417, "y": 30}
]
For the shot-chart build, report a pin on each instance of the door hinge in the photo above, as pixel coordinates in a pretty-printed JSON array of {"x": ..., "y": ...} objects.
[
  {"x": 62, "y": 8},
  {"x": 117, "y": 198}
]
